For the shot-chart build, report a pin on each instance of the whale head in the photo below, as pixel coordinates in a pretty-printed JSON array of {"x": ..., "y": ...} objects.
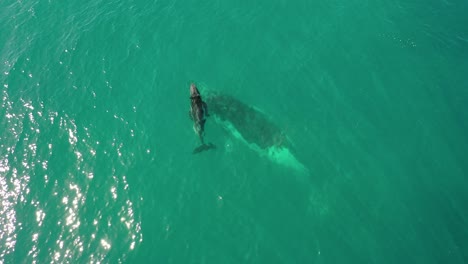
[{"x": 194, "y": 91}]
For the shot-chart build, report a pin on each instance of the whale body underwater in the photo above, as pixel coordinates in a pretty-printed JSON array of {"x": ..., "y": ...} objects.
[{"x": 253, "y": 128}]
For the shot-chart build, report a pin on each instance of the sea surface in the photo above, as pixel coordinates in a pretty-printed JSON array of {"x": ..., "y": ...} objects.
[{"x": 96, "y": 162}]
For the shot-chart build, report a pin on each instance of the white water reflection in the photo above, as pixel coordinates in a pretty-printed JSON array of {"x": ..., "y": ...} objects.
[
  {"x": 83, "y": 194},
  {"x": 16, "y": 155},
  {"x": 69, "y": 212}
]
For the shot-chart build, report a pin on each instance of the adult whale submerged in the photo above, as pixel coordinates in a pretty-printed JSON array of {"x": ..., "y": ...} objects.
[
  {"x": 253, "y": 128},
  {"x": 198, "y": 113}
]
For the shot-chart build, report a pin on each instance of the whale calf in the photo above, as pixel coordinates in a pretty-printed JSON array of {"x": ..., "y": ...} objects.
[{"x": 198, "y": 113}]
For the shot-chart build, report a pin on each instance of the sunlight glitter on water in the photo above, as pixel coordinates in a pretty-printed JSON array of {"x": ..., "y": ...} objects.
[
  {"x": 105, "y": 244},
  {"x": 15, "y": 178},
  {"x": 60, "y": 218},
  {"x": 8, "y": 219},
  {"x": 72, "y": 219},
  {"x": 40, "y": 215}
]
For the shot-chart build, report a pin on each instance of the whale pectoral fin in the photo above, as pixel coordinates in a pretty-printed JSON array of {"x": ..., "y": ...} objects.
[{"x": 190, "y": 115}]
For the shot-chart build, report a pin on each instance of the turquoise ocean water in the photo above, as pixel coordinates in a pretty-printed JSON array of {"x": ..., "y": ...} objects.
[{"x": 96, "y": 145}]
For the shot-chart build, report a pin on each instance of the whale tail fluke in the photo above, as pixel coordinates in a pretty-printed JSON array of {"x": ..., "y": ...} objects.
[{"x": 204, "y": 147}]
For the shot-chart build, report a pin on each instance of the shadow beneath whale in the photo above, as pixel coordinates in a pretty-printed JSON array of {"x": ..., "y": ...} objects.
[{"x": 254, "y": 128}]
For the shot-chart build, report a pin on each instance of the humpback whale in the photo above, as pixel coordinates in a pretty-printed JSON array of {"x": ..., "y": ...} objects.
[
  {"x": 253, "y": 128},
  {"x": 198, "y": 112}
]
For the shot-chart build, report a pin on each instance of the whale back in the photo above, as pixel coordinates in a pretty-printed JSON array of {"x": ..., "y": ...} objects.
[{"x": 254, "y": 126}]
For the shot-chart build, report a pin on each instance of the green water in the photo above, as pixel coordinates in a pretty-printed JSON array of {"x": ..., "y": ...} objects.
[{"x": 96, "y": 159}]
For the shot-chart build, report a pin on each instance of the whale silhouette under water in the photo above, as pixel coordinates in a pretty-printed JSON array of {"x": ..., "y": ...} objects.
[{"x": 253, "y": 128}]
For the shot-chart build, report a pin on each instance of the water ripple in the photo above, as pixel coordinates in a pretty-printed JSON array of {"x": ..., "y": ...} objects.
[{"x": 54, "y": 168}]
